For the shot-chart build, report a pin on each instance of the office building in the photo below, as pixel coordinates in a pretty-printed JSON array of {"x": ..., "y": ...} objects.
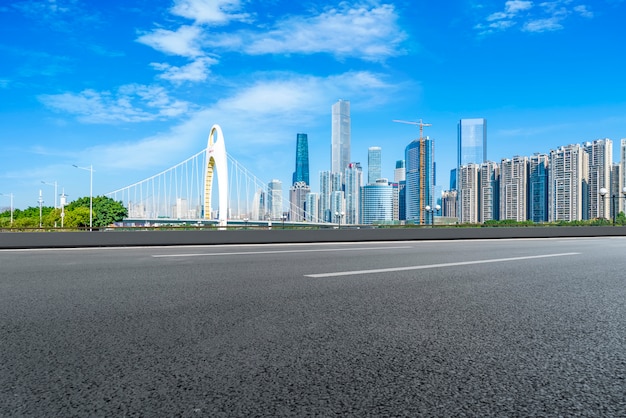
[
  {"x": 449, "y": 204},
  {"x": 472, "y": 141},
  {"x": 514, "y": 188},
  {"x": 275, "y": 199},
  {"x": 340, "y": 149},
  {"x": 538, "y": 188},
  {"x": 374, "y": 164},
  {"x": 324, "y": 198},
  {"x": 354, "y": 181},
  {"x": 468, "y": 184},
  {"x": 377, "y": 202},
  {"x": 302, "y": 160},
  {"x": 297, "y": 201},
  {"x": 600, "y": 159},
  {"x": 312, "y": 212},
  {"x": 337, "y": 206},
  {"x": 420, "y": 178},
  {"x": 567, "y": 183},
  {"x": 399, "y": 173},
  {"x": 489, "y": 190}
]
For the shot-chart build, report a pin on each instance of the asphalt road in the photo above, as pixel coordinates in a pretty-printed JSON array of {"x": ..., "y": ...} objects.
[{"x": 456, "y": 328}]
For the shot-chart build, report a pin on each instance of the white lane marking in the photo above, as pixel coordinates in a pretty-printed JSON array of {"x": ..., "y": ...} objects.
[
  {"x": 277, "y": 252},
  {"x": 432, "y": 266}
]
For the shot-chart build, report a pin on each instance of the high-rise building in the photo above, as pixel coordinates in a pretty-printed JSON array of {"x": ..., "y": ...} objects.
[
  {"x": 420, "y": 178},
  {"x": 567, "y": 183},
  {"x": 258, "y": 206},
  {"x": 489, "y": 191},
  {"x": 325, "y": 191},
  {"x": 312, "y": 207},
  {"x": 449, "y": 204},
  {"x": 337, "y": 206},
  {"x": 600, "y": 154},
  {"x": 302, "y": 160},
  {"x": 402, "y": 200},
  {"x": 297, "y": 201},
  {"x": 622, "y": 175},
  {"x": 374, "y": 164},
  {"x": 538, "y": 187},
  {"x": 340, "y": 150},
  {"x": 399, "y": 173},
  {"x": 472, "y": 141},
  {"x": 377, "y": 202},
  {"x": 275, "y": 199},
  {"x": 468, "y": 187},
  {"x": 354, "y": 181},
  {"x": 514, "y": 188}
]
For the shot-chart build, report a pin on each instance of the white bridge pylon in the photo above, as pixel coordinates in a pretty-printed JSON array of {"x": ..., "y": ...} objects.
[{"x": 216, "y": 151}]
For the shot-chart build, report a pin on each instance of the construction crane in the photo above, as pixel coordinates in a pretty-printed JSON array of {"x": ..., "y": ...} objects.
[
  {"x": 420, "y": 124},
  {"x": 422, "y": 167}
]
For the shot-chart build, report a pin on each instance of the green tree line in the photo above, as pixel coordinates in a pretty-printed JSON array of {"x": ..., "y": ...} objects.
[{"x": 105, "y": 212}]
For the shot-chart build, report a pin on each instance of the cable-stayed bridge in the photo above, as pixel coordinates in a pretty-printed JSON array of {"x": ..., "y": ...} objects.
[{"x": 186, "y": 193}]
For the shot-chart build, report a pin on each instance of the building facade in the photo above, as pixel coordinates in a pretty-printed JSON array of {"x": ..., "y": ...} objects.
[
  {"x": 297, "y": 201},
  {"x": 275, "y": 199},
  {"x": 514, "y": 188},
  {"x": 377, "y": 202},
  {"x": 324, "y": 197},
  {"x": 468, "y": 187},
  {"x": 302, "y": 160},
  {"x": 538, "y": 188},
  {"x": 420, "y": 179},
  {"x": 489, "y": 190},
  {"x": 567, "y": 183},
  {"x": 374, "y": 164},
  {"x": 340, "y": 149},
  {"x": 354, "y": 181},
  {"x": 600, "y": 159},
  {"x": 472, "y": 141}
]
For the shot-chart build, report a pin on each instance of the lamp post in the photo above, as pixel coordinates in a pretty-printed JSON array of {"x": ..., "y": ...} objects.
[
  {"x": 615, "y": 197},
  {"x": 339, "y": 215},
  {"x": 55, "y": 191},
  {"x": 11, "y": 197},
  {"x": 90, "y": 169},
  {"x": 245, "y": 221},
  {"x": 284, "y": 218},
  {"x": 431, "y": 211}
]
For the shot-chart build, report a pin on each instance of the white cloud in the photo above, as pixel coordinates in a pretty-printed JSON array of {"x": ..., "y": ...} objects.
[
  {"x": 197, "y": 70},
  {"x": 209, "y": 11},
  {"x": 549, "y": 16},
  {"x": 183, "y": 42},
  {"x": 131, "y": 103},
  {"x": 369, "y": 33}
]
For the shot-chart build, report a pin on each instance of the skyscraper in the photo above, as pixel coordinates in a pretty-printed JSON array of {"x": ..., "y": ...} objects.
[
  {"x": 325, "y": 190},
  {"x": 420, "y": 178},
  {"x": 538, "y": 187},
  {"x": 567, "y": 180},
  {"x": 312, "y": 207},
  {"x": 377, "y": 202},
  {"x": 488, "y": 204},
  {"x": 275, "y": 199},
  {"x": 472, "y": 141},
  {"x": 354, "y": 181},
  {"x": 302, "y": 160},
  {"x": 600, "y": 153},
  {"x": 514, "y": 188},
  {"x": 399, "y": 173},
  {"x": 297, "y": 200},
  {"x": 340, "y": 151},
  {"x": 374, "y": 165},
  {"x": 468, "y": 193}
]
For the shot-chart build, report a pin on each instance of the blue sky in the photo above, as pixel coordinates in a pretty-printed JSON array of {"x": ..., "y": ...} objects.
[{"x": 134, "y": 86}]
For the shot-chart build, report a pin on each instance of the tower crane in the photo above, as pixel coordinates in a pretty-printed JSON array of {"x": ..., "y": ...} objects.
[{"x": 420, "y": 124}]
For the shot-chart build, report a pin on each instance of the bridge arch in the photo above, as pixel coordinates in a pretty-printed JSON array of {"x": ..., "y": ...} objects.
[{"x": 216, "y": 161}]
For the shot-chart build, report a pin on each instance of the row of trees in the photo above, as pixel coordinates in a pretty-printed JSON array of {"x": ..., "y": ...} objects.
[{"x": 105, "y": 212}]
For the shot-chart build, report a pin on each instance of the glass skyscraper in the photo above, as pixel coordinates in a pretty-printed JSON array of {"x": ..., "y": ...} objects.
[
  {"x": 374, "y": 165},
  {"x": 377, "y": 202},
  {"x": 353, "y": 178},
  {"x": 302, "y": 160},
  {"x": 340, "y": 151},
  {"x": 420, "y": 178},
  {"x": 472, "y": 141}
]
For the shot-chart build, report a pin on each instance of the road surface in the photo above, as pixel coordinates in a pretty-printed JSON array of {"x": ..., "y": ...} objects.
[{"x": 531, "y": 327}]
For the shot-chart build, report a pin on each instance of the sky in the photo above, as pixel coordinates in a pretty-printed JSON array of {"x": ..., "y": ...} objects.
[{"x": 133, "y": 87}]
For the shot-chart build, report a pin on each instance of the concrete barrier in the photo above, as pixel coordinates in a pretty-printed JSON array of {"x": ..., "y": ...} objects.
[{"x": 17, "y": 240}]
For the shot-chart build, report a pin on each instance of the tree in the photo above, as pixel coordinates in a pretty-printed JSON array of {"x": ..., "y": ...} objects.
[
  {"x": 105, "y": 210},
  {"x": 76, "y": 218}
]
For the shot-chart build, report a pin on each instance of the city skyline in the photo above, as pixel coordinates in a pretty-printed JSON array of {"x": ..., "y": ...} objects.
[{"x": 139, "y": 100}]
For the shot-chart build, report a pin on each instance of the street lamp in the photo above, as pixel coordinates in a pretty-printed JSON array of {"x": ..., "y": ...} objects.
[
  {"x": 90, "y": 169},
  {"x": 245, "y": 221},
  {"x": 431, "y": 211},
  {"x": 284, "y": 218},
  {"x": 338, "y": 216},
  {"x": 11, "y": 196},
  {"x": 604, "y": 192},
  {"x": 55, "y": 191}
]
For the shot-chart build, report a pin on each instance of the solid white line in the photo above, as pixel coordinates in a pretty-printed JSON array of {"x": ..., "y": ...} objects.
[
  {"x": 277, "y": 252},
  {"x": 432, "y": 266}
]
